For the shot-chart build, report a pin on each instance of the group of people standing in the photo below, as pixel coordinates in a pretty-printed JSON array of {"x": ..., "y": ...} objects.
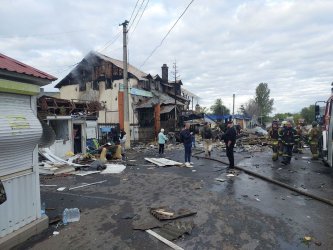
[
  {"x": 229, "y": 138},
  {"x": 286, "y": 140}
]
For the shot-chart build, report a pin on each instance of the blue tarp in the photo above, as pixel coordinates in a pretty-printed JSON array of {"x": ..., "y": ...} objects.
[
  {"x": 105, "y": 129},
  {"x": 224, "y": 117}
]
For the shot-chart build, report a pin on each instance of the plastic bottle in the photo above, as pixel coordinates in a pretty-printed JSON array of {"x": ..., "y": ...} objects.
[
  {"x": 42, "y": 208},
  {"x": 70, "y": 215}
]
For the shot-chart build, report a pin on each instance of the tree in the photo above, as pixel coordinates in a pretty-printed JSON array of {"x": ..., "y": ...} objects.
[
  {"x": 218, "y": 108},
  {"x": 265, "y": 104},
  {"x": 308, "y": 114}
]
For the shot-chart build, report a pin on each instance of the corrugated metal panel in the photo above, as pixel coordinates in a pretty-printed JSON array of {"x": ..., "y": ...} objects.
[
  {"x": 20, "y": 131},
  {"x": 13, "y": 65},
  {"x": 22, "y": 205}
]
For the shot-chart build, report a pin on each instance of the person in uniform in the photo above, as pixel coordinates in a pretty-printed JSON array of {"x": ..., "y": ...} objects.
[
  {"x": 274, "y": 137},
  {"x": 280, "y": 145},
  {"x": 314, "y": 136},
  {"x": 288, "y": 137}
]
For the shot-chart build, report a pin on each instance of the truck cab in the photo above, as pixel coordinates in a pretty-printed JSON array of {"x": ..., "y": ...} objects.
[{"x": 324, "y": 117}]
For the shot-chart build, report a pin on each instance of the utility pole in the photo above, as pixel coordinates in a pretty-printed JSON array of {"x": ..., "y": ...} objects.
[
  {"x": 126, "y": 92},
  {"x": 175, "y": 73}
]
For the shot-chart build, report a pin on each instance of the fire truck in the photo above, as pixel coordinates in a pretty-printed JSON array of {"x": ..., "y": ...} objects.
[{"x": 324, "y": 117}]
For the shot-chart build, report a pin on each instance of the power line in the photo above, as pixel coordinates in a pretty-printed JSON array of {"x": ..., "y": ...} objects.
[
  {"x": 130, "y": 26},
  {"x": 153, "y": 51},
  {"x": 109, "y": 43},
  {"x": 133, "y": 10},
  {"x": 140, "y": 16}
]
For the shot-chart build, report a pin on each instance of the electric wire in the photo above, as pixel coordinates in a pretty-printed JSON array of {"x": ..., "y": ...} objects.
[
  {"x": 131, "y": 24},
  {"x": 160, "y": 44},
  {"x": 140, "y": 16},
  {"x": 133, "y": 11}
]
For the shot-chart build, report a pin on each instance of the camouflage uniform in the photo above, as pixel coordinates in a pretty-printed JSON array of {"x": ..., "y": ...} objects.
[
  {"x": 274, "y": 136},
  {"x": 314, "y": 135}
]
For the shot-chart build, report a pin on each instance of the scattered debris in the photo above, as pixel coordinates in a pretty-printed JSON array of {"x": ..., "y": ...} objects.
[
  {"x": 85, "y": 185},
  {"x": 113, "y": 169},
  {"x": 175, "y": 229},
  {"x": 169, "y": 243},
  {"x": 165, "y": 213},
  {"x": 84, "y": 173},
  {"x": 54, "y": 220},
  {"x": 230, "y": 175},
  {"x": 163, "y": 162},
  {"x": 55, "y": 233},
  {"x": 220, "y": 179},
  {"x": 61, "y": 189}
]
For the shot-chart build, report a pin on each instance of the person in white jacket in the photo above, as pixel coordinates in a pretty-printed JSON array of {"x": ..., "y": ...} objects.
[{"x": 161, "y": 141}]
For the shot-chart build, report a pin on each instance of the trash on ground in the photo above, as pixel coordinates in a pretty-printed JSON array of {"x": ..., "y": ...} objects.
[
  {"x": 230, "y": 175},
  {"x": 61, "y": 189},
  {"x": 85, "y": 185},
  {"x": 84, "y": 173},
  {"x": 163, "y": 162},
  {"x": 167, "y": 242},
  {"x": 257, "y": 199},
  {"x": 54, "y": 220},
  {"x": 70, "y": 215},
  {"x": 220, "y": 179},
  {"x": 165, "y": 213},
  {"x": 113, "y": 169},
  {"x": 55, "y": 233},
  {"x": 175, "y": 229}
]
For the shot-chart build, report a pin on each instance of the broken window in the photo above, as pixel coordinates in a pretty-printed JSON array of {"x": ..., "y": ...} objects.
[
  {"x": 95, "y": 85},
  {"x": 60, "y": 128}
]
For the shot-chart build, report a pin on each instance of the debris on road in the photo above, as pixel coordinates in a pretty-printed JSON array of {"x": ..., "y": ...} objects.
[
  {"x": 61, "y": 189},
  {"x": 165, "y": 213},
  {"x": 169, "y": 243},
  {"x": 85, "y": 185},
  {"x": 175, "y": 229},
  {"x": 163, "y": 162},
  {"x": 84, "y": 173},
  {"x": 220, "y": 179},
  {"x": 113, "y": 169}
]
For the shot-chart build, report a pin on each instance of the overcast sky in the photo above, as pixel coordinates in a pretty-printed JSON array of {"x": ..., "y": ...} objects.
[{"x": 221, "y": 47}]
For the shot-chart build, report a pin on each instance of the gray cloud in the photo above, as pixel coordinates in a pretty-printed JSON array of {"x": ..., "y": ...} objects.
[{"x": 221, "y": 47}]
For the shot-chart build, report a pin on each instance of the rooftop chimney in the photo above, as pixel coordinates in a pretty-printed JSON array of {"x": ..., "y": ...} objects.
[{"x": 165, "y": 72}]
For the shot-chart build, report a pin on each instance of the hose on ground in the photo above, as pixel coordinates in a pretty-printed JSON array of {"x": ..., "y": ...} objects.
[{"x": 315, "y": 197}]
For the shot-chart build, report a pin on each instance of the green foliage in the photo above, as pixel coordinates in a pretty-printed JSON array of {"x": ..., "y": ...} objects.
[
  {"x": 218, "y": 108},
  {"x": 281, "y": 116},
  {"x": 262, "y": 99},
  {"x": 308, "y": 113}
]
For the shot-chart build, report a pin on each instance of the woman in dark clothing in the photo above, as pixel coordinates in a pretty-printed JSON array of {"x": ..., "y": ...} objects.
[
  {"x": 186, "y": 138},
  {"x": 230, "y": 139}
]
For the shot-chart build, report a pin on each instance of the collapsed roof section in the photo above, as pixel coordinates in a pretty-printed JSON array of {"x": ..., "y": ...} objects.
[{"x": 96, "y": 66}]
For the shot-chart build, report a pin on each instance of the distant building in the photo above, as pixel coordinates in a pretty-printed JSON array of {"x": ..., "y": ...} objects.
[{"x": 155, "y": 101}]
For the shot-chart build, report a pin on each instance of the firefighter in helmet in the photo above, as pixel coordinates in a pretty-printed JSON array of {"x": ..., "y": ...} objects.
[
  {"x": 274, "y": 137},
  {"x": 299, "y": 144},
  {"x": 288, "y": 137},
  {"x": 314, "y": 136},
  {"x": 280, "y": 145}
]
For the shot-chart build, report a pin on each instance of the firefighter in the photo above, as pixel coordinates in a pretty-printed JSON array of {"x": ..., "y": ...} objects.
[
  {"x": 274, "y": 137},
  {"x": 299, "y": 145},
  {"x": 313, "y": 140},
  {"x": 288, "y": 137},
  {"x": 280, "y": 145}
]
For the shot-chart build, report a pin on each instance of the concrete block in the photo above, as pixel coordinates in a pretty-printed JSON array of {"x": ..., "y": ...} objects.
[{"x": 24, "y": 233}]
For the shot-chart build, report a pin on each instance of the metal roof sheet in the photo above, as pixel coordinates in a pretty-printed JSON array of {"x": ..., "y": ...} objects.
[{"x": 12, "y": 65}]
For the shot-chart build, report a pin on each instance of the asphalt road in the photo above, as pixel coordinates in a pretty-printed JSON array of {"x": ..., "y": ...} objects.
[{"x": 242, "y": 212}]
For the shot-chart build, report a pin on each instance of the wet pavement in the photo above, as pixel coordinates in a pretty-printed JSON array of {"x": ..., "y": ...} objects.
[{"x": 241, "y": 212}]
